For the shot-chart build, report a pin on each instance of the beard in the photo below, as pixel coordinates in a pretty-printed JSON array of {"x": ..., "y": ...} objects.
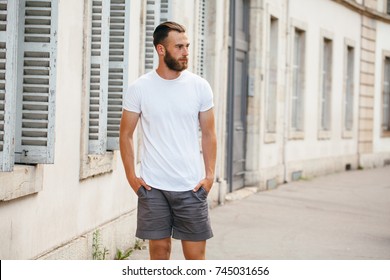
[{"x": 175, "y": 64}]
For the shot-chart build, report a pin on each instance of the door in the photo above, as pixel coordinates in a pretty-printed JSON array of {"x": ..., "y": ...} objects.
[{"x": 237, "y": 93}]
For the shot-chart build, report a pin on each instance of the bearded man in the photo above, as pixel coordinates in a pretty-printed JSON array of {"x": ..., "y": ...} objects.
[{"x": 172, "y": 186}]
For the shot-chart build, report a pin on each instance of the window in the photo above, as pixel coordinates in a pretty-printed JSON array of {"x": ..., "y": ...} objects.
[
  {"x": 386, "y": 98},
  {"x": 106, "y": 75},
  {"x": 157, "y": 12},
  {"x": 326, "y": 85},
  {"x": 298, "y": 75},
  {"x": 272, "y": 65},
  {"x": 349, "y": 88},
  {"x": 27, "y": 81}
]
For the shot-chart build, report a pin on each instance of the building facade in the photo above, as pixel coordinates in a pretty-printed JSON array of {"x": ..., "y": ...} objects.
[{"x": 301, "y": 89}]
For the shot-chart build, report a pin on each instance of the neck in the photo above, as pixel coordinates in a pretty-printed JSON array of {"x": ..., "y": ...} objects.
[{"x": 166, "y": 73}]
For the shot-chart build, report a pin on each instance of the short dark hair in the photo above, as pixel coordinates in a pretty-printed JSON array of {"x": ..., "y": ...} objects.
[{"x": 161, "y": 32}]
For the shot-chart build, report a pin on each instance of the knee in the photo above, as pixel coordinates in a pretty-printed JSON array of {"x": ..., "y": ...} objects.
[
  {"x": 160, "y": 249},
  {"x": 194, "y": 250},
  {"x": 195, "y": 255}
]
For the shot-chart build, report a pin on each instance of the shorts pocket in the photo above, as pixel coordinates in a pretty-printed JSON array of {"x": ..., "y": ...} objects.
[
  {"x": 141, "y": 191},
  {"x": 201, "y": 194}
]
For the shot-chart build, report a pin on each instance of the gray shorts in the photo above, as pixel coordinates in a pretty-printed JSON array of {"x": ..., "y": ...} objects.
[{"x": 181, "y": 215}]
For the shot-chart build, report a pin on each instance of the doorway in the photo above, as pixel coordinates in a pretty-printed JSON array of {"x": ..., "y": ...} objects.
[{"x": 237, "y": 93}]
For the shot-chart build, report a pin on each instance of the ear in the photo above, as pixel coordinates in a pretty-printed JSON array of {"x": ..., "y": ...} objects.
[{"x": 160, "y": 49}]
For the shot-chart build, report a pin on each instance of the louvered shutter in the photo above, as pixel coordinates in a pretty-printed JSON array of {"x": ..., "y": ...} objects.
[
  {"x": 386, "y": 96},
  {"x": 349, "y": 89},
  {"x": 165, "y": 11},
  {"x": 118, "y": 68},
  {"x": 201, "y": 38},
  {"x": 157, "y": 11},
  {"x": 8, "y": 23},
  {"x": 152, "y": 20},
  {"x": 37, "y": 81},
  {"x": 98, "y": 88}
]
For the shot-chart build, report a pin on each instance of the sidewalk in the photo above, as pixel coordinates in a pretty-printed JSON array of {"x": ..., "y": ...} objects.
[{"x": 339, "y": 216}]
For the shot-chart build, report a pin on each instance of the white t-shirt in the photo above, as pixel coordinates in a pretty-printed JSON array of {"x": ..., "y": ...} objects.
[{"x": 169, "y": 116}]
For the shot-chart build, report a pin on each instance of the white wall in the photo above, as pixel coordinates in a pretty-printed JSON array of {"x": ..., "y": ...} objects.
[{"x": 341, "y": 24}]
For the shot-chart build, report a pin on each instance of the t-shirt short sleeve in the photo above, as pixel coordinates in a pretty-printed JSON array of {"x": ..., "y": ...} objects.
[
  {"x": 206, "y": 102},
  {"x": 132, "y": 99}
]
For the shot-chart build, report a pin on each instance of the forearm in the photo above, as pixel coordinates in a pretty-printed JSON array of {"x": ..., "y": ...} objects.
[
  {"x": 209, "y": 148},
  {"x": 127, "y": 154}
]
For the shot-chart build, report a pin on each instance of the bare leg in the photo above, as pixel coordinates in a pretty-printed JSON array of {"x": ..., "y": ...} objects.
[
  {"x": 160, "y": 249},
  {"x": 194, "y": 250}
]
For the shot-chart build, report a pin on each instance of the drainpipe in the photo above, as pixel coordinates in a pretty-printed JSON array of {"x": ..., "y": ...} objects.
[
  {"x": 286, "y": 93},
  {"x": 231, "y": 65}
]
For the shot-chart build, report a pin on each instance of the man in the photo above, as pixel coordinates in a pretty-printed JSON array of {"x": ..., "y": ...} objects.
[{"x": 171, "y": 103}]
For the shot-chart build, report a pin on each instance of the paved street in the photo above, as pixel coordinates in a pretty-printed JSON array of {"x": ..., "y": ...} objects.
[{"x": 339, "y": 216}]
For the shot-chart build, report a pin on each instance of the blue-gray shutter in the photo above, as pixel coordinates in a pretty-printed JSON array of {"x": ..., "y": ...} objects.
[
  {"x": 36, "y": 81},
  {"x": 152, "y": 20},
  {"x": 98, "y": 87},
  {"x": 386, "y": 96},
  {"x": 165, "y": 10},
  {"x": 118, "y": 68},
  {"x": 201, "y": 38},
  {"x": 157, "y": 11},
  {"x": 8, "y": 26},
  {"x": 348, "y": 122}
]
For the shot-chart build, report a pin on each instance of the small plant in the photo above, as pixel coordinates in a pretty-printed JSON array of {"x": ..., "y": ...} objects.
[
  {"x": 97, "y": 252},
  {"x": 139, "y": 244},
  {"x": 123, "y": 255}
]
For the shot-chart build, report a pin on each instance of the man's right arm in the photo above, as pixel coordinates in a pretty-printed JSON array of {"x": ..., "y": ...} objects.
[{"x": 127, "y": 127}]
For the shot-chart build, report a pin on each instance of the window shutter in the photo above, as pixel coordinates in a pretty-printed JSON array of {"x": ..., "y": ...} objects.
[
  {"x": 386, "y": 96},
  {"x": 349, "y": 89},
  {"x": 118, "y": 68},
  {"x": 326, "y": 84},
  {"x": 201, "y": 38},
  {"x": 165, "y": 11},
  {"x": 36, "y": 86},
  {"x": 99, "y": 77},
  {"x": 298, "y": 84},
  {"x": 8, "y": 24},
  {"x": 152, "y": 20}
]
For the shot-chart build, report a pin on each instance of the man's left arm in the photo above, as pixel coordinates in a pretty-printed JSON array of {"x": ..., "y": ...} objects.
[{"x": 209, "y": 148}]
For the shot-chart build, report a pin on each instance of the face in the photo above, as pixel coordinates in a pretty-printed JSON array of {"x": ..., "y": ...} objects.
[{"x": 176, "y": 51}]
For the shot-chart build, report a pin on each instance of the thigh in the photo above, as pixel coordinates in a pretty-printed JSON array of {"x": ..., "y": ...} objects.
[
  {"x": 191, "y": 219},
  {"x": 154, "y": 219}
]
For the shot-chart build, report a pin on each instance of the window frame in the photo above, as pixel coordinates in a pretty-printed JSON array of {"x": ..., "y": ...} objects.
[
  {"x": 349, "y": 89},
  {"x": 272, "y": 79},
  {"x": 28, "y": 50},
  {"x": 30, "y": 76}
]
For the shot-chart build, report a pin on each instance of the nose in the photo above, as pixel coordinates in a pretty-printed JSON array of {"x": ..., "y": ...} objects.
[{"x": 185, "y": 51}]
